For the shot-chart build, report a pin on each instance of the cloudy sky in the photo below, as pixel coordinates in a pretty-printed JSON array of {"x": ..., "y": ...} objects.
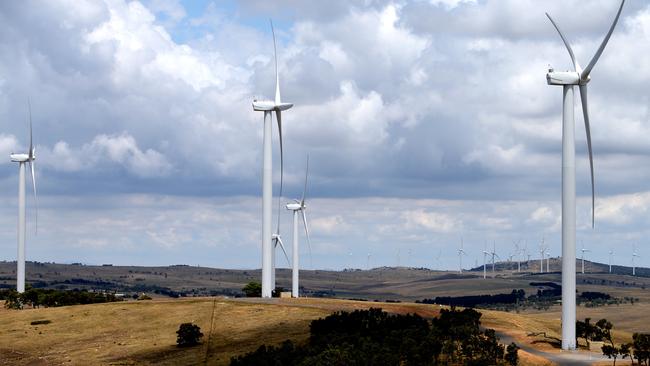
[{"x": 425, "y": 122}]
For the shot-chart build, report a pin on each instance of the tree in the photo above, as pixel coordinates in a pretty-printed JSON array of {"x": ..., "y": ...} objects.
[
  {"x": 188, "y": 335},
  {"x": 625, "y": 351},
  {"x": 641, "y": 346},
  {"x": 611, "y": 352},
  {"x": 511, "y": 354},
  {"x": 253, "y": 289}
]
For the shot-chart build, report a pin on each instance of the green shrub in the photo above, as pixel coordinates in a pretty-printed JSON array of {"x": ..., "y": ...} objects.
[
  {"x": 188, "y": 335},
  {"x": 253, "y": 289}
]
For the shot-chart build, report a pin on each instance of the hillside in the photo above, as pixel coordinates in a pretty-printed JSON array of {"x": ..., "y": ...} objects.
[
  {"x": 385, "y": 283},
  {"x": 143, "y": 333}
]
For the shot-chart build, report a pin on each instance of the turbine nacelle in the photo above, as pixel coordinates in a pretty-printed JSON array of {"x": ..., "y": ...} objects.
[
  {"x": 564, "y": 78},
  {"x": 21, "y": 158},
  {"x": 293, "y": 206},
  {"x": 270, "y": 105}
]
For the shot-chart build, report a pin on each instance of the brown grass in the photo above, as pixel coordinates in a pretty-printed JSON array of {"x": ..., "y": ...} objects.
[{"x": 144, "y": 333}]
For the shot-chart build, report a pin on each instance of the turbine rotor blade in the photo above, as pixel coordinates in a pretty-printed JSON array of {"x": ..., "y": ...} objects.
[
  {"x": 277, "y": 75},
  {"x": 304, "y": 191},
  {"x": 30, "y": 160},
  {"x": 585, "y": 112},
  {"x": 279, "y": 241},
  {"x": 592, "y": 63},
  {"x": 576, "y": 66},
  {"x": 31, "y": 168},
  {"x": 304, "y": 221},
  {"x": 31, "y": 141}
]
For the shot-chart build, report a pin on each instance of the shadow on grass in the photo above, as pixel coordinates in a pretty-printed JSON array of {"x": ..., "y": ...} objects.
[
  {"x": 552, "y": 341},
  {"x": 220, "y": 349}
]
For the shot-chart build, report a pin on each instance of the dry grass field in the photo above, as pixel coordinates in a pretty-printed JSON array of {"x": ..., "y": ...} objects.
[{"x": 143, "y": 332}]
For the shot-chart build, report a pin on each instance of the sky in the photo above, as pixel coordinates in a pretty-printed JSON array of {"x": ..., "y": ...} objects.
[{"x": 425, "y": 122}]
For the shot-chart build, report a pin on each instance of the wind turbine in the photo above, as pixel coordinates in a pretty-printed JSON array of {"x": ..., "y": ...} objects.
[
  {"x": 583, "y": 250},
  {"x": 368, "y": 262},
  {"x": 548, "y": 261},
  {"x": 268, "y": 107},
  {"x": 634, "y": 255},
  {"x": 525, "y": 252},
  {"x": 485, "y": 254},
  {"x": 542, "y": 248},
  {"x": 610, "y": 260},
  {"x": 494, "y": 254},
  {"x": 438, "y": 259},
  {"x": 277, "y": 241},
  {"x": 21, "y": 159},
  {"x": 461, "y": 253},
  {"x": 516, "y": 253},
  {"x": 299, "y": 206},
  {"x": 568, "y": 79}
]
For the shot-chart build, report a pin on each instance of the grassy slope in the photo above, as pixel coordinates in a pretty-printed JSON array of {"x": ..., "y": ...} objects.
[{"x": 143, "y": 333}]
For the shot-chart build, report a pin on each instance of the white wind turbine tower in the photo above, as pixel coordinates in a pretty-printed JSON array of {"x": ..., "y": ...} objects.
[
  {"x": 542, "y": 249},
  {"x": 438, "y": 259},
  {"x": 268, "y": 107},
  {"x": 568, "y": 79},
  {"x": 368, "y": 262},
  {"x": 299, "y": 206},
  {"x": 526, "y": 254},
  {"x": 548, "y": 261},
  {"x": 583, "y": 250},
  {"x": 634, "y": 255},
  {"x": 461, "y": 253},
  {"x": 21, "y": 159},
  {"x": 610, "y": 260}
]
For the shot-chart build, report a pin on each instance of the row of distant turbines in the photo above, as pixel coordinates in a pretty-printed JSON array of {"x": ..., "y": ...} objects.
[{"x": 523, "y": 255}]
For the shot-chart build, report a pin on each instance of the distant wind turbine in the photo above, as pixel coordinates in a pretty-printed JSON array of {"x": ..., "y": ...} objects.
[
  {"x": 461, "y": 253},
  {"x": 634, "y": 255},
  {"x": 485, "y": 254},
  {"x": 518, "y": 255},
  {"x": 269, "y": 106},
  {"x": 583, "y": 250},
  {"x": 21, "y": 159},
  {"x": 610, "y": 260},
  {"x": 542, "y": 248},
  {"x": 494, "y": 254},
  {"x": 299, "y": 206},
  {"x": 548, "y": 261},
  {"x": 568, "y": 79}
]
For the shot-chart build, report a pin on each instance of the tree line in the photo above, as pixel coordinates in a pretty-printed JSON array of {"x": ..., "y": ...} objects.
[
  {"x": 50, "y": 298},
  {"x": 374, "y": 337}
]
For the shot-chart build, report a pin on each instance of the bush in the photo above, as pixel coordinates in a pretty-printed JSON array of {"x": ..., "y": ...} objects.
[
  {"x": 188, "y": 335},
  {"x": 511, "y": 354},
  {"x": 253, "y": 289}
]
